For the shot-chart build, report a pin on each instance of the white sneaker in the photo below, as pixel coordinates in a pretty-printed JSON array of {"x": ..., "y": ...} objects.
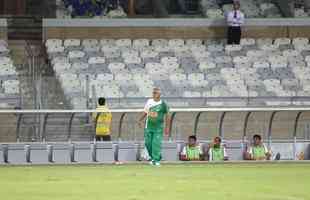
[
  {"x": 157, "y": 164},
  {"x": 151, "y": 162}
]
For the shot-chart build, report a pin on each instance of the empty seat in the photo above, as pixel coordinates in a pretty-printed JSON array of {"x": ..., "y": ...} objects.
[
  {"x": 104, "y": 151},
  {"x": 177, "y": 77},
  {"x": 79, "y": 66},
  {"x": 159, "y": 42},
  {"x": 96, "y": 60},
  {"x": 89, "y": 42},
  {"x": 123, "y": 78},
  {"x": 193, "y": 42},
  {"x": 223, "y": 59},
  {"x": 169, "y": 60},
  {"x": 247, "y": 41},
  {"x": 133, "y": 60},
  {"x": 263, "y": 41},
  {"x": 59, "y": 59},
  {"x": 241, "y": 59},
  {"x": 196, "y": 77},
  {"x": 230, "y": 48},
  {"x": 176, "y": 43},
  {"x": 123, "y": 42},
  {"x": 72, "y": 43},
  {"x": 214, "y": 13},
  {"x": 55, "y": 49},
  {"x": 206, "y": 65},
  {"x": 53, "y": 42},
  {"x": 215, "y": 47},
  {"x": 290, "y": 84},
  {"x": 290, "y": 53},
  {"x": 300, "y": 41},
  {"x": 149, "y": 54},
  {"x": 116, "y": 67},
  {"x": 104, "y": 77},
  {"x": 11, "y": 87},
  {"x": 191, "y": 94},
  {"x": 282, "y": 41},
  {"x": 107, "y": 42},
  {"x": 269, "y": 47},
  {"x": 140, "y": 43},
  {"x": 76, "y": 54}
]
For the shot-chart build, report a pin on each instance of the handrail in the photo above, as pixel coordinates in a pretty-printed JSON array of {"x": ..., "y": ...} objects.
[
  {"x": 273, "y": 114},
  {"x": 213, "y": 109},
  {"x": 199, "y": 111},
  {"x": 221, "y": 124},
  {"x": 170, "y": 22}
]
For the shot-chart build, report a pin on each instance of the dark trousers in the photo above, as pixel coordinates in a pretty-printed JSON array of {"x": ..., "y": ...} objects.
[
  {"x": 233, "y": 35},
  {"x": 103, "y": 137}
]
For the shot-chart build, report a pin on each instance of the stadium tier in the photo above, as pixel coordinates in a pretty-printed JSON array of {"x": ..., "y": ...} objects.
[
  {"x": 212, "y": 9},
  {"x": 190, "y": 72},
  {"x": 9, "y": 80}
]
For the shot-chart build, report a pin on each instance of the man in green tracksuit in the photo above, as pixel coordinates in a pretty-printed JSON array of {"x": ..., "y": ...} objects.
[{"x": 156, "y": 112}]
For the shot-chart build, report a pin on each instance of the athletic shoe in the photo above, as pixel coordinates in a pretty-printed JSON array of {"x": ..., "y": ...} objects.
[
  {"x": 157, "y": 164},
  {"x": 151, "y": 162},
  {"x": 278, "y": 156}
]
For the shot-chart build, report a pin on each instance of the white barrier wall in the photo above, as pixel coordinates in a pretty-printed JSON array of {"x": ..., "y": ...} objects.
[
  {"x": 171, "y": 22},
  {"x": 171, "y": 28}
]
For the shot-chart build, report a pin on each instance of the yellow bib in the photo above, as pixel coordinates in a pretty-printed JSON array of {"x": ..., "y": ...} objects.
[{"x": 103, "y": 121}]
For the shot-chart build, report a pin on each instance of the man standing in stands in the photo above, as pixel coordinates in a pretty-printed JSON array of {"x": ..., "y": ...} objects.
[
  {"x": 234, "y": 19},
  {"x": 217, "y": 151},
  {"x": 102, "y": 119},
  {"x": 192, "y": 151},
  {"x": 156, "y": 112},
  {"x": 258, "y": 151}
]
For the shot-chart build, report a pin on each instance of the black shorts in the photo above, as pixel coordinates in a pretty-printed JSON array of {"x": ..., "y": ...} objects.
[
  {"x": 103, "y": 137},
  {"x": 233, "y": 35}
]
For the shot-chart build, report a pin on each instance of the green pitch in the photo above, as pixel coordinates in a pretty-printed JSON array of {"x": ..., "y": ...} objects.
[{"x": 169, "y": 182}]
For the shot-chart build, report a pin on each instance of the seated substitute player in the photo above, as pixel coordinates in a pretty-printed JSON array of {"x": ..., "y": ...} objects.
[
  {"x": 192, "y": 151},
  {"x": 156, "y": 112},
  {"x": 217, "y": 151},
  {"x": 258, "y": 151}
]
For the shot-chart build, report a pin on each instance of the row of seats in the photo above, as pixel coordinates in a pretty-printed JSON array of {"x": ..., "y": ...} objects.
[
  {"x": 87, "y": 152},
  {"x": 140, "y": 43},
  {"x": 9, "y": 83},
  {"x": 210, "y": 8},
  {"x": 183, "y": 68},
  {"x": 67, "y": 9},
  {"x": 251, "y": 9}
]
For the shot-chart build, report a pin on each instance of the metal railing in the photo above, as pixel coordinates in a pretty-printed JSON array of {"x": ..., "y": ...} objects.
[{"x": 46, "y": 114}]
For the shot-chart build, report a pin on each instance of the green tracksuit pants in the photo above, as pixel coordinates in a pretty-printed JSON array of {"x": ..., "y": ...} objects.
[{"x": 153, "y": 140}]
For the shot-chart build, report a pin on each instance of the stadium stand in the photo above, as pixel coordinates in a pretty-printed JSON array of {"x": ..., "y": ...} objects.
[
  {"x": 9, "y": 78},
  {"x": 88, "y": 8},
  {"x": 187, "y": 69},
  {"x": 123, "y": 59},
  {"x": 208, "y": 8}
]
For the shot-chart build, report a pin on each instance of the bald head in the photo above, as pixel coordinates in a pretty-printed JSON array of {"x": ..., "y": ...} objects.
[{"x": 156, "y": 94}]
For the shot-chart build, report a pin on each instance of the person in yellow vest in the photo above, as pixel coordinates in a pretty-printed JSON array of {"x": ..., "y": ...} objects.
[{"x": 103, "y": 120}]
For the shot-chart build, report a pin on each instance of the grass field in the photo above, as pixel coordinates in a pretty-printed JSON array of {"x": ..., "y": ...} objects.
[{"x": 171, "y": 182}]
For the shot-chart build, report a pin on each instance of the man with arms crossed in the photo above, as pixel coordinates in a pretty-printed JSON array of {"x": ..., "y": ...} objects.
[{"x": 156, "y": 112}]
